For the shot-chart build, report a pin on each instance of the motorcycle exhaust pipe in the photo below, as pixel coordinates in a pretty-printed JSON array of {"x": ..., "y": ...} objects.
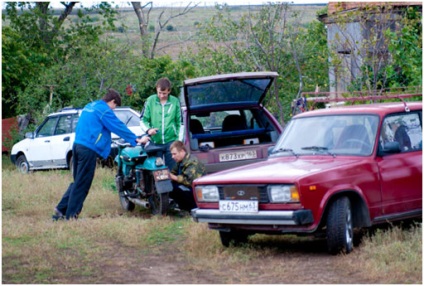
[{"x": 139, "y": 202}]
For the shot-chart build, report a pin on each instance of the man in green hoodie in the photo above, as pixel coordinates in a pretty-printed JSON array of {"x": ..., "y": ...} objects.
[{"x": 161, "y": 117}]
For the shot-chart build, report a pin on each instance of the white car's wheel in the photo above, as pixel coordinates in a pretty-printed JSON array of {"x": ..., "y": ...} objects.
[{"x": 22, "y": 164}]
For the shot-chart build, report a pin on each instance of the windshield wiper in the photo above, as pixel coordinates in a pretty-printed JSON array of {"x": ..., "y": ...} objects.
[
  {"x": 284, "y": 150},
  {"x": 318, "y": 148}
]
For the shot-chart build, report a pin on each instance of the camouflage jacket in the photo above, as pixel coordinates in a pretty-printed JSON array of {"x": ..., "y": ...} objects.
[{"x": 188, "y": 170}]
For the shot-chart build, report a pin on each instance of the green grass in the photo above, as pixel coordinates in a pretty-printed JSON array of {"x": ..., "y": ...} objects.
[{"x": 106, "y": 243}]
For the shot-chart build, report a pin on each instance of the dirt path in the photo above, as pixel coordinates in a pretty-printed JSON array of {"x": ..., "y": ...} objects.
[{"x": 305, "y": 263}]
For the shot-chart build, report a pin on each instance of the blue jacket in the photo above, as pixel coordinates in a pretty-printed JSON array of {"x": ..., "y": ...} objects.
[{"x": 96, "y": 122}]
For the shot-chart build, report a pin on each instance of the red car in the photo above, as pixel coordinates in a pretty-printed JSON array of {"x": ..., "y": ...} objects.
[
  {"x": 331, "y": 171},
  {"x": 225, "y": 123}
]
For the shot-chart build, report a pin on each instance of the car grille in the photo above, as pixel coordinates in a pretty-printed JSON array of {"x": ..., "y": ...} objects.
[{"x": 244, "y": 192}]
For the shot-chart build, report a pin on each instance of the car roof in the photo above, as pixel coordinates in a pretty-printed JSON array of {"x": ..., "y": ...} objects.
[
  {"x": 73, "y": 110},
  {"x": 373, "y": 108}
]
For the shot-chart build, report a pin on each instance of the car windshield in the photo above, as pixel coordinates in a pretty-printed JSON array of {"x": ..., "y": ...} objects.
[
  {"x": 332, "y": 135},
  {"x": 130, "y": 119}
]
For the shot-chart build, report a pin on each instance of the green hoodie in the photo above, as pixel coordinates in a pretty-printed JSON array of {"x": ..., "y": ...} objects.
[{"x": 167, "y": 118}]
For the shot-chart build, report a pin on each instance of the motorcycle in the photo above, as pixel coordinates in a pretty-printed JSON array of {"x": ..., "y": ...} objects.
[{"x": 142, "y": 177}]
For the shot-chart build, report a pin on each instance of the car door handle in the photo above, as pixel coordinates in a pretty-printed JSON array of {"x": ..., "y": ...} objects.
[
  {"x": 66, "y": 138},
  {"x": 47, "y": 141}
]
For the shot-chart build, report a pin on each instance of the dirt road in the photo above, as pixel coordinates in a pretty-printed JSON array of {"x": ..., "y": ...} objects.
[{"x": 305, "y": 262}]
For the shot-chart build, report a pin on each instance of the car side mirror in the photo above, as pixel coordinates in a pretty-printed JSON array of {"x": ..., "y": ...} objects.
[
  {"x": 390, "y": 148},
  {"x": 29, "y": 135}
]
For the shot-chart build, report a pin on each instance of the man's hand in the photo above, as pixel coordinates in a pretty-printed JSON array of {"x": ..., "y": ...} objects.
[
  {"x": 173, "y": 177},
  {"x": 153, "y": 131},
  {"x": 143, "y": 140}
]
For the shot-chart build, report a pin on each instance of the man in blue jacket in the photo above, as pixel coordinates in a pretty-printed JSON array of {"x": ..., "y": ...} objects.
[{"x": 92, "y": 139}]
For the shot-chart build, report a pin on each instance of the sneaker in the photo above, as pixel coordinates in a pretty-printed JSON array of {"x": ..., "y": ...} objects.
[
  {"x": 57, "y": 217},
  {"x": 58, "y": 212}
]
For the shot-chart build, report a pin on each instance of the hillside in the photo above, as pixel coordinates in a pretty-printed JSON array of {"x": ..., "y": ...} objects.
[{"x": 184, "y": 28}]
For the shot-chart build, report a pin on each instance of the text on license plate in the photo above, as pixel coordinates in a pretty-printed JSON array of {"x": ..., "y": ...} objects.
[
  {"x": 238, "y": 206},
  {"x": 233, "y": 156}
]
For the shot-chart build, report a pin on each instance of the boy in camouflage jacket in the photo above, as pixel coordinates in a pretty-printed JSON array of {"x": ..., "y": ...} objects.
[{"x": 186, "y": 170}]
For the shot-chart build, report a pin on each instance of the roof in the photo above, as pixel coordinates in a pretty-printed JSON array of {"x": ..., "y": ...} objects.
[
  {"x": 334, "y": 7},
  {"x": 374, "y": 108}
]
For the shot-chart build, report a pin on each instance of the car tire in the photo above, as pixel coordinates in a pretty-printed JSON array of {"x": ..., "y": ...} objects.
[
  {"x": 22, "y": 164},
  {"x": 233, "y": 238},
  {"x": 340, "y": 227}
]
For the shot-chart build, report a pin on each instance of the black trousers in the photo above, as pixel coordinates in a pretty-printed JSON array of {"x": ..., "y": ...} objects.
[
  {"x": 84, "y": 167},
  {"x": 183, "y": 196}
]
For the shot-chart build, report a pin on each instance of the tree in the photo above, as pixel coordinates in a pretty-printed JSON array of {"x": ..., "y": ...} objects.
[
  {"x": 162, "y": 22},
  {"x": 376, "y": 47},
  {"x": 273, "y": 39},
  {"x": 35, "y": 40}
]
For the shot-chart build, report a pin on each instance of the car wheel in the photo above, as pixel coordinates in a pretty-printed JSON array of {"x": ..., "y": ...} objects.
[
  {"x": 340, "y": 227},
  {"x": 233, "y": 237},
  {"x": 22, "y": 164}
]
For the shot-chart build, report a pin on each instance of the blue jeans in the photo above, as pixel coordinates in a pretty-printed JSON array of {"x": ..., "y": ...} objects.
[
  {"x": 84, "y": 167},
  {"x": 169, "y": 162}
]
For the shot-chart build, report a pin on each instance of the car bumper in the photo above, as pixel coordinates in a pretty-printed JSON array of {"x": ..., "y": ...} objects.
[
  {"x": 298, "y": 217},
  {"x": 13, "y": 158}
]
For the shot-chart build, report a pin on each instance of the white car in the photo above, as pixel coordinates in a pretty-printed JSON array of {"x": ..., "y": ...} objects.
[{"x": 50, "y": 145}]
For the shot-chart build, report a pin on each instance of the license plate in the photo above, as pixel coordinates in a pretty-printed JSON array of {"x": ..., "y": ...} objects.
[
  {"x": 161, "y": 175},
  {"x": 238, "y": 206},
  {"x": 234, "y": 156}
]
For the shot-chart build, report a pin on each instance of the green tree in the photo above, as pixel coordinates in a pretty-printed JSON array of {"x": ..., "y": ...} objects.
[
  {"x": 36, "y": 42},
  {"x": 376, "y": 47},
  {"x": 272, "y": 39}
]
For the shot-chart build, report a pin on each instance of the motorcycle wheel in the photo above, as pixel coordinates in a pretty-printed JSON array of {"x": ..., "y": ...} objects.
[
  {"x": 159, "y": 203},
  {"x": 125, "y": 203}
]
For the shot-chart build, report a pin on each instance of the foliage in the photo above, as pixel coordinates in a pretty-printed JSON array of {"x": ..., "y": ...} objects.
[
  {"x": 271, "y": 39},
  {"x": 381, "y": 48},
  {"x": 36, "y": 40}
]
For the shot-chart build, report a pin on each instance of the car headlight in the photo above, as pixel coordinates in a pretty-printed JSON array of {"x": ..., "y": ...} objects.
[
  {"x": 283, "y": 193},
  {"x": 207, "y": 193}
]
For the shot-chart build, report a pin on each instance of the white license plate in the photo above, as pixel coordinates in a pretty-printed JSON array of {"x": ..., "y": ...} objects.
[
  {"x": 234, "y": 156},
  {"x": 161, "y": 175},
  {"x": 238, "y": 206}
]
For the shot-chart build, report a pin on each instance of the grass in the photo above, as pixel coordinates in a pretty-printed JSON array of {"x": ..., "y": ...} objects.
[{"x": 107, "y": 240}]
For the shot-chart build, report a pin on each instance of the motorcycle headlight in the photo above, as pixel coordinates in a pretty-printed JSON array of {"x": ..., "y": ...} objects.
[
  {"x": 159, "y": 162},
  {"x": 283, "y": 193},
  {"x": 207, "y": 193}
]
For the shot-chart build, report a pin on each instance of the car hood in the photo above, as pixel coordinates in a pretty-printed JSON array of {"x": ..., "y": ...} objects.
[
  {"x": 276, "y": 170},
  {"x": 240, "y": 90}
]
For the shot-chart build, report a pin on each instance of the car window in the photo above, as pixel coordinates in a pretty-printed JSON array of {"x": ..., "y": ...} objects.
[
  {"x": 64, "y": 126},
  {"x": 403, "y": 128},
  {"x": 231, "y": 128},
  {"x": 48, "y": 127},
  {"x": 127, "y": 117},
  {"x": 75, "y": 118}
]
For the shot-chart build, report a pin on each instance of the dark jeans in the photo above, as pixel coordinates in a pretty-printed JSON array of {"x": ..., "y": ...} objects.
[
  {"x": 83, "y": 172},
  {"x": 169, "y": 162},
  {"x": 183, "y": 196}
]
